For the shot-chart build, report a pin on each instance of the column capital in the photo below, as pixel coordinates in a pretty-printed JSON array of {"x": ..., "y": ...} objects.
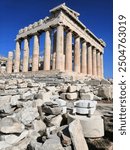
[{"x": 47, "y": 29}]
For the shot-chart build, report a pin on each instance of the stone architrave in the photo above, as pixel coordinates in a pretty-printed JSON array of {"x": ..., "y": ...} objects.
[
  {"x": 35, "y": 61},
  {"x": 26, "y": 55},
  {"x": 10, "y": 62},
  {"x": 47, "y": 54},
  {"x": 89, "y": 59},
  {"x": 94, "y": 62},
  {"x": 84, "y": 59},
  {"x": 17, "y": 57},
  {"x": 77, "y": 55},
  {"x": 59, "y": 47},
  {"x": 98, "y": 64},
  {"x": 68, "y": 55}
]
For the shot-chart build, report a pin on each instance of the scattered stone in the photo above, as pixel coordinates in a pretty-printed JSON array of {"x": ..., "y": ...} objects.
[
  {"x": 56, "y": 121},
  {"x": 27, "y": 96},
  {"x": 72, "y": 96},
  {"x": 52, "y": 108},
  {"x": 87, "y": 96},
  {"x": 27, "y": 115},
  {"x": 10, "y": 125},
  {"x": 106, "y": 92},
  {"x": 39, "y": 125},
  {"x": 77, "y": 136},
  {"x": 72, "y": 89}
]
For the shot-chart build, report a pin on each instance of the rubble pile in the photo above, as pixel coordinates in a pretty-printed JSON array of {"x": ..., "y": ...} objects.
[{"x": 35, "y": 115}]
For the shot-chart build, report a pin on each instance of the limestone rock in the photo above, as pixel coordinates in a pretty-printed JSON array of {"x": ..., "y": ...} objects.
[
  {"x": 13, "y": 139},
  {"x": 4, "y": 145},
  {"x": 56, "y": 121},
  {"x": 27, "y": 115},
  {"x": 10, "y": 125},
  {"x": 106, "y": 92},
  {"x": 77, "y": 136},
  {"x": 39, "y": 125},
  {"x": 27, "y": 96},
  {"x": 87, "y": 96},
  {"x": 72, "y": 89},
  {"x": 72, "y": 96},
  {"x": 85, "y": 89},
  {"x": 52, "y": 108},
  {"x": 45, "y": 96},
  {"x": 52, "y": 144}
]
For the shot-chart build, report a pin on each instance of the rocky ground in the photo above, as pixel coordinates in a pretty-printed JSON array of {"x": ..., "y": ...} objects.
[{"x": 32, "y": 116}]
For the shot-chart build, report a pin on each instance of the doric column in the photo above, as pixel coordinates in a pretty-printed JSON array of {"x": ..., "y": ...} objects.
[
  {"x": 47, "y": 52},
  {"x": 94, "y": 62},
  {"x": 10, "y": 62},
  {"x": 35, "y": 60},
  {"x": 98, "y": 64},
  {"x": 84, "y": 59},
  {"x": 102, "y": 68},
  {"x": 68, "y": 51},
  {"x": 89, "y": 59},
  {"x": 17, "y": 57},
  {"x": 26, "y": 55},
  {"x": 59, "y": 47},
  {"x": 77, "y": 55},
  {"x": 54, "y": 61}
]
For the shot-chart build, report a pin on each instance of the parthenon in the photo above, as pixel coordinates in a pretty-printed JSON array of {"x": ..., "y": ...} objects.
[{"x": 69, "y": 46}]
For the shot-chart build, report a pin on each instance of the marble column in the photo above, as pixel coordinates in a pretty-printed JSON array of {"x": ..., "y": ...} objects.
[
  {"x": 101, "y": 61},
  {"x": 98, "y": 64},
  {"x": 17, "y": 57},
  {"x": 54, "y": 51},
  {"x": 26, "y": 55},
  {"x": 89, "y": 59},
  {"x": 35, "y": 60},
  {"x": 47, "y": 52},
  {"x": 59, "y": 47},
  {"x": 77, "y": 55},
  {"x": 68, "y": 51},
  {"x": 10, "y": 62},
  {"x": 84, "y": 59},
  {"x": 94, "y": 62}
]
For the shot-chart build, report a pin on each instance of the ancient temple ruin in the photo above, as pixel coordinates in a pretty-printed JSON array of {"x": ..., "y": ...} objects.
[{"x": 69, "y": 46}]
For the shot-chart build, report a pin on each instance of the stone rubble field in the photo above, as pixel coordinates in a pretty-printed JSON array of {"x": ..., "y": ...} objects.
[{"x": 45, "y": 113}]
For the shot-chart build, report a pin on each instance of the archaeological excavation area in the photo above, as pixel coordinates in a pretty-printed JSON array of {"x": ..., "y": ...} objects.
[{"x": 60, "y": 100}]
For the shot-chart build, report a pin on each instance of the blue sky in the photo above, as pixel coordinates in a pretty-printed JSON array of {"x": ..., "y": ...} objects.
[{"x": 96, "y": 15}]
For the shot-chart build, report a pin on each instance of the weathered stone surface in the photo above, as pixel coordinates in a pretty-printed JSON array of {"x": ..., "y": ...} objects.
[
  {"x": 27, "y": 115},
  {"x": 10, "y": 125},
  {"x": 56, "y": 121},
  {"x": 77, "y": 136},
  {"x": 93, "y": 127},
  {"x": 13, "y": 139},
  {"x": 22, "y": 85},
  {"x": 85, "y": 89},
  {"x": 52, "y": 108},
  {"x": 27, "y": 96},
  {"x": 106, "y": 92},
  {"x": 15, "y": 100},
  {"x": 87, "y": 96},
  {"x": 62, "y": 104},
  {"x": 39, "y": 125},
  {"x": 72, "y": 89},
  {"x": 45, "y": 96},
  {"x": 72, "y": 96},
  {"x": 4, "y": 145},
  {"x": 63, "y": 95},
  {"x": 52, "y": 144},
  {"x": 32, "y": 84}
]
